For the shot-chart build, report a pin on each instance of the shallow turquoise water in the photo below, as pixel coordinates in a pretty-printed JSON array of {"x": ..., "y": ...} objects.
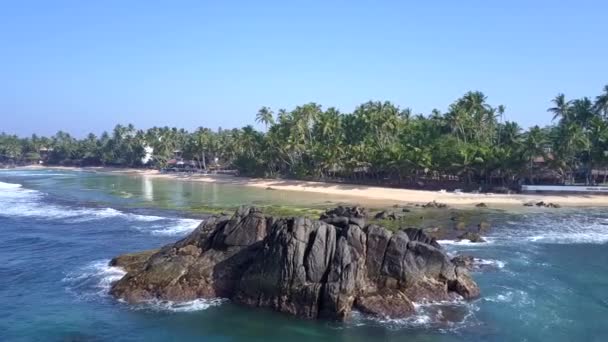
[{"x": 546, "y": 277}]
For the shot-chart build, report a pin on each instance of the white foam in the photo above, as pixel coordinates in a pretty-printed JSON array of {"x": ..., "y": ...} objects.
[
  {"x": 427, "y": 315},
  {"x": 188, "y": 306},
  {"x": 179, "y": 227},
  {"x": 516, "y": 298},
  {"x": 574, "y": 227},
  {"x": 94, "y": 279},
  {"x": 466, "y": 242},
  {"x": 17, "y": 201},
  {"x": 490, "y": 262},
  {"x": 9, "y": 185}
]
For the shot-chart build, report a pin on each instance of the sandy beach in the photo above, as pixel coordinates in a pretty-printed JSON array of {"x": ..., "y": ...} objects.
[{"x": 392, "y": 195}]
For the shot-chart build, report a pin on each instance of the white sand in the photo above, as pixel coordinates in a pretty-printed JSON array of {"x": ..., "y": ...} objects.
[{"x": 365, "y": 192}]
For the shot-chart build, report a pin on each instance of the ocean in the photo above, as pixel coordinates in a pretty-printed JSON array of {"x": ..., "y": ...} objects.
[{"x": 544, "y": 274}]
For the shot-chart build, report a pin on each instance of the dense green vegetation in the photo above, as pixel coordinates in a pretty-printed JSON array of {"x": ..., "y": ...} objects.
[{"x": 380, "y": 142}]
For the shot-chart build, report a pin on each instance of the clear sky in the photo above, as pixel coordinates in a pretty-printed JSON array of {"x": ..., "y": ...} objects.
[{"x": 84, "y": 66}]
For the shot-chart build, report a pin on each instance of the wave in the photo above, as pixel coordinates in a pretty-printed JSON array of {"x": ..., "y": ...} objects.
[
  {"x": 188, "y": 306},
  {"x": 515, "y": 298},
  {"x": 574, "y": 227},
  {"x": 94, "y": 279},
  {"x": 466, "y": 242},
  {"x": 450, "y": 315},
  {"x": 179, "y": 227},
  {"x": 490, "y": 262},
  {"x": 9, "y": 185},
  {"x": 17, "y": 201}
]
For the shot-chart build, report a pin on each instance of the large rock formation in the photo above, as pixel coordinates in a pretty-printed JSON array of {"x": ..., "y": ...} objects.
[{"x": 308, "y": 268}]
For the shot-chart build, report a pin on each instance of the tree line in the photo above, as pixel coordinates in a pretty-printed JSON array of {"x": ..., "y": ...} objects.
[{"x": 470, "y": 143}]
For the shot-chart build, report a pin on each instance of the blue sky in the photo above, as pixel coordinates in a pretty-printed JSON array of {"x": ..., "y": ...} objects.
[{"x": 84, "y": 66}]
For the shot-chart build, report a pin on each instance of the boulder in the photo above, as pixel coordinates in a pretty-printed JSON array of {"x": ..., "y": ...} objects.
[{"x": 307, "y": 268}]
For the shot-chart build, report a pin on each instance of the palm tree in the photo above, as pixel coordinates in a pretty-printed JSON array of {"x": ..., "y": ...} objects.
[
  {"x": 601, "y": 103},
  {"x": 265, "y": 116},
  {"x": 560, "y": 109}
]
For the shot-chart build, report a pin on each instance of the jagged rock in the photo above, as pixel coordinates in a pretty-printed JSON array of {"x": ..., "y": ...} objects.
[
  {"x": 308, "y": 268},
  {"x": 471, "y": 263},
  {"x": 463, "y": 284},
  {"x": 473, "y": 237},
  {"x": 529, "y": 204},
  {"x": 465, "y": 261},
  {"x": 420, "y": 235}
]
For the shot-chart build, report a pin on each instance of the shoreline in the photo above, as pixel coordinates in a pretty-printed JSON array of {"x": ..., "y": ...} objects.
[{"x": 373, "y": 193}]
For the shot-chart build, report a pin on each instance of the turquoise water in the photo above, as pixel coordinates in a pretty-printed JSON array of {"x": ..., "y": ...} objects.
[{"x": 545, "y": 278}]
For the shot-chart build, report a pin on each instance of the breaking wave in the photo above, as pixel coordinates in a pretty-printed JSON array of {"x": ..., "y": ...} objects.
[
  {"x": 448, "y": 316},
  {"x": 17, "y": 201},
  {"x": 575, "y": 227},
  {"x": 94, "y": 279}
]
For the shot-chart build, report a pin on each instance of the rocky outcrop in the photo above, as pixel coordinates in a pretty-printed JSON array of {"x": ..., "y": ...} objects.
[{"x": 308, "y": 268}]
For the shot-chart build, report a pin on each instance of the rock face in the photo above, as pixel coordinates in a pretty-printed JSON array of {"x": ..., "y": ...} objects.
[{"x": 308, "y": 268}]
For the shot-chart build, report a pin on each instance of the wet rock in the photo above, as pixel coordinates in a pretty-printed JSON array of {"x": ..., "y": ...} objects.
[
  {"x": 463, "y": 284},
  {"x": 481, "y": 205},
  {"x": 387, "y": 305},
  {"x": 133, "y": 261},
  {"x": 471, "y": 236},
  {"x": 465, "y": 261},
  {"x": 308, "y": 268}
]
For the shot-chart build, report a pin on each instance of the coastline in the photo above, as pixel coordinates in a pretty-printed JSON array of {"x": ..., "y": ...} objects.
[{"x": 373, "y": 193}]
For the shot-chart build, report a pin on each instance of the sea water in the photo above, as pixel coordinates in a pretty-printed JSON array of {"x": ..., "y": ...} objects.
[{"x": 543, "y": 273}]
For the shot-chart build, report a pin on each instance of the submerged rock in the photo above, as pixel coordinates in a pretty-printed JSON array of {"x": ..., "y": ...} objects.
[
  {"x": 308, "y": 268},
  {"x": 471, "y": 236},
  {"x": 542, "y": 204}
]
